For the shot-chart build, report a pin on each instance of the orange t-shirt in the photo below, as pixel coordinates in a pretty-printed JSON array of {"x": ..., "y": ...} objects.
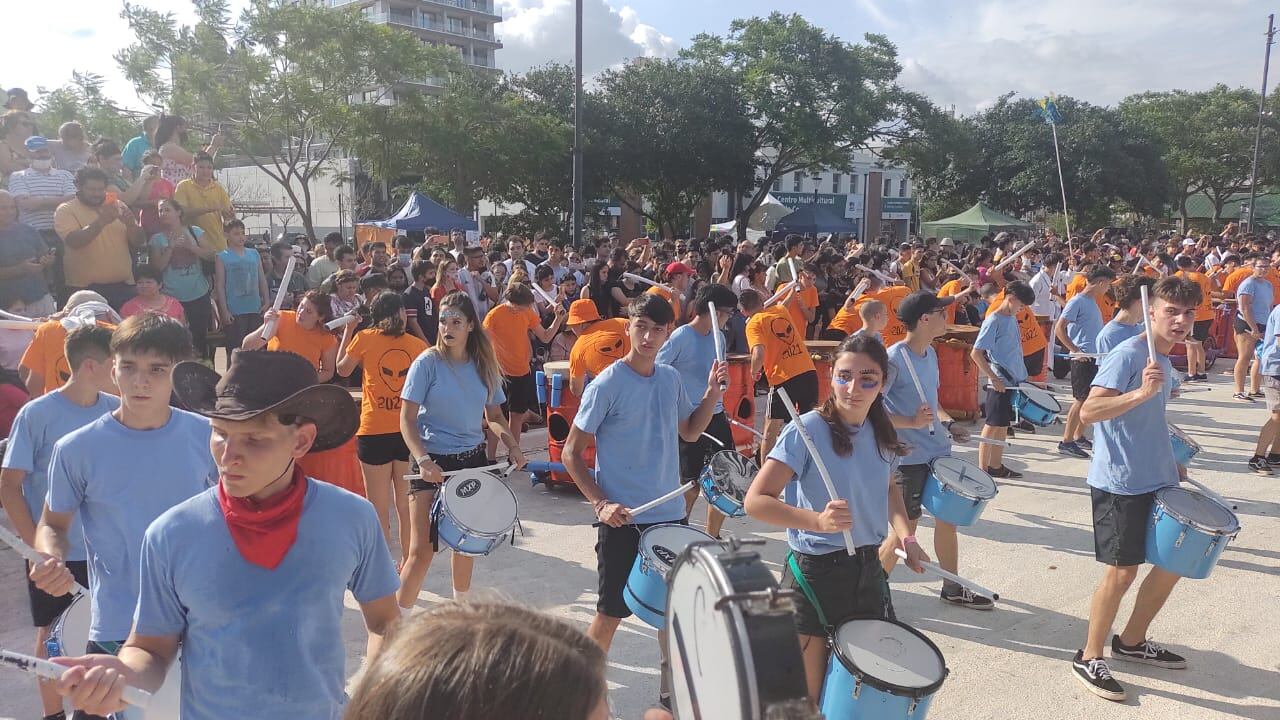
[
  {"x": 892, "y": 297},
  {"x": 1204, "y": 311},
  {"x": 292, "y": 337},
  {"x": 846, "y": 321},
  {"x": 386, "y": 360},
  {"x": 47, "y": 354},
  {"x": 509, "y": 328},
  {"x": 1033, "y": 339},
  {"x": 671, "y": 298},
  {"x": 785, "y": 354},
  {"x": 949, "y": 289},
  {"x": 799, "y": 300},
  {"x": 1273, "y": 277},
  {"x": 1232, "y": 283},
  {"x": 1106, "y": 304},
  {"x": 601, "y": 345}
]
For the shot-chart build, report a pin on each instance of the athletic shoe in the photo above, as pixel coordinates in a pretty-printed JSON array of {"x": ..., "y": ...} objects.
[
  {"x": 1096, "y": 675},
  {"x": 1202, "y": 377},
  {"x": 1072, "y": 449},
  {"x": 960, "y": 595},
  {"x": 1273, "y": 458},
  {"x": 1027, "y": 426},
  {"x": 1146, "y": 653},
  {"x": 1004, "y": 472},
  {"x": 1256, "y": 394},
  {"x": 1259, "y": 464},
  {"x": 1242, "y": 396},
  {"x": 1085, "y": 443}
]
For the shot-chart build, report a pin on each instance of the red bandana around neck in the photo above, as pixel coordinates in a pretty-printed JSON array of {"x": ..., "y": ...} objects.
[{"x": 264, "y": 532}]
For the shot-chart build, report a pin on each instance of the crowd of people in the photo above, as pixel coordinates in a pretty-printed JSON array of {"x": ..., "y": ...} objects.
[{"x": 133, "y": 269}]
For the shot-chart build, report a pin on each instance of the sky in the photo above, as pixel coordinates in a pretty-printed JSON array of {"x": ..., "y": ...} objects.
[{"x": 961, "y": 53}]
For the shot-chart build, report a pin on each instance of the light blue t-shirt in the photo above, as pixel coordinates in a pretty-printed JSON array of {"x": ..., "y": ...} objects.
[
  {"x": 1270, "y": 354},
  {"x": 184, "y": 276},
  {"x": 39, "y": 424},
  {"x": 1001, "y": 339},
  {"x": 119, "y": 480},
  {"x": 862, "y": 479},
  {"x": 691, "y": 354},
  {"x": 131, "y": 156},
  {"x": 1132, "y": 454},
  {"x": 258, "y": 642},
  {"x": 1084, "y": 322},
  {"x": 1116, "y": 332},
  {"x": 240, "y": 272},
  {"x": 635, "y": 420},
  {"x": 901, "y": 398},
  {"x": 1259, "y": 291},
  {"x": 451, "y": 400}
]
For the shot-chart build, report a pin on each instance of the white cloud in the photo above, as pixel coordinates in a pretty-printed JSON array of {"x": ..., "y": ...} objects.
[{"x": 535, "y": 32}]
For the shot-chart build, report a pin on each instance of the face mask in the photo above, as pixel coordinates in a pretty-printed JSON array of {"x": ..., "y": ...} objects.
[{"x": 42, "y": 165}]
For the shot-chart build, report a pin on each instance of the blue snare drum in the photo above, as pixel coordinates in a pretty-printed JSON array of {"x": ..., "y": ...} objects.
[
  {"x": 473, "y": 512},
  {"x": 1035, "y": 405},
  {"x": 956, "y": 491},
  {"x": 880, "y": 670},
  {"x": 1184, "y": 448},
  {"x": 646, "y": 589},
  {"x": 725, "y": 480},
  {"x": 1188, "y": 531}
]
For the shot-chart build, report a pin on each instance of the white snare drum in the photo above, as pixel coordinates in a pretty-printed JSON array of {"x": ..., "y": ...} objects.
[{"x": 473, "y": 512}]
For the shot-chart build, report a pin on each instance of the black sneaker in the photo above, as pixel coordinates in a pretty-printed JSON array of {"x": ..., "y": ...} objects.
[
  {"x": 1259, "y": 464},
  {"x": 1004, "y": 472},
  {"x": 1084, "y": 443},
  {"x": 1201, "y": 377},
  {"x": 1027, "y": 426},
  {"x": 961, "y": 595},
  {"x": 1256, "y": 394},
  {"x": 1146, "y": 653},
  {"x": 1241, "y": 396},
  {"x": 1073, "y": 449},
  {"x": 1096, "y": 675},
  {"x": 1273, "y": 458}
]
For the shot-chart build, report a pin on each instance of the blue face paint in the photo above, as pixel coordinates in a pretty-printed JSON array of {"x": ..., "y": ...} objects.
[{"x": 868, "y": 383}]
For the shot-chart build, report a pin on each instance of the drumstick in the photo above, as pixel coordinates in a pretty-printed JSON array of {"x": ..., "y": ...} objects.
[
  {"x": 659, "y": 500},
  {"x": 915, "y": 379},
  {"x": 339, "y": 322},
  {"x": 269, "y": 331},
  {"x": 136, "y": 697},
  {"x": 973, "y": 586},
  {"x": 746, "y": 427},
  {"x": 1209, "y": 492},
  {"x": 1146, "y": 324},
  {"x": 877, "y": 273},
  {"x": 538, "y": 289},
  {"x": 14, "y": 316},
  {"x": 795, "y": 276},
  {"x": 1012, "y": 257},
  {"x": 30, "y": 554},
  {"x": 713, "y": 439},
  {"x": 7, "y": 324},
  {"x": 645, "y": 280},
  {"x": 719, "y": 341},
  {"x": 817, "y": 460},
  {"x": 1085, "y": 355},
  {"x": 782, "y": 292},
  {"x": 447, "y": 473}
]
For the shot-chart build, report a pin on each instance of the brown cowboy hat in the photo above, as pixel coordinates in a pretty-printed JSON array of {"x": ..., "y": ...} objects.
[{"x": 260, "y": 381}]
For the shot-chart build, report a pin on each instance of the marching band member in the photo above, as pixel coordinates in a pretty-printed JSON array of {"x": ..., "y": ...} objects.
[
  {"x": 1077, "y": 329},
  {"x": 1000, "y": 340},
  {"x": 778, "y": 350}
]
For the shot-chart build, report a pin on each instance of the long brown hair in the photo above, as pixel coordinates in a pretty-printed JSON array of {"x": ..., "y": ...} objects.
[
  {"x": 878, "y": 415},
  {"x": 479, "y": 349},
  {"x": 385, "y": 313},
  {"x": 481, "y": 661}
]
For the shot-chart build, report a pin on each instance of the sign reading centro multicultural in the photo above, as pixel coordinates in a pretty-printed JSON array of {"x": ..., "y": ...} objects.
[
  {"x": 891, "y": 208},
  {"x": 896, "y": 208}
]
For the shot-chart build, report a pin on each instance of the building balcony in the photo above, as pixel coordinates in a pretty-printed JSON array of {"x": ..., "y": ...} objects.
[{"x": 420, "y": 22}]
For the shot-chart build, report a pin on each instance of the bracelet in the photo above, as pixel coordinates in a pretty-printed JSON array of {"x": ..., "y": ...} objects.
[
  {"x": 599, "y": 504},
  {"x": 908, "y": 540}
]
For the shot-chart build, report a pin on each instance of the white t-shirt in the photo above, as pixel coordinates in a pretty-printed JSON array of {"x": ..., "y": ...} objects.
[{"x": 1043, "y": 287}]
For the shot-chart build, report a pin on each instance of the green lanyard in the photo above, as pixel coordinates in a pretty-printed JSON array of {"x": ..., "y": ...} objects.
[{"x": 807, "y": 590}]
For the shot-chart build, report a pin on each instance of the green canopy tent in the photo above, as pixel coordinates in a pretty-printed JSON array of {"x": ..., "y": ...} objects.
[{"x": 970, "y": 225}]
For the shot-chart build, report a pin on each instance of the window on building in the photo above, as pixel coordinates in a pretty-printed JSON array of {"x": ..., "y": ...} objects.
[
  {"x": 777, "y": 185},
  {"x": 853, "y": 184},
  {"x": 902, "y": 187},
  {"x": 888, "y": 184},
  {"x": 835, "y": 183},
  {"x": 797, "y": 182}
]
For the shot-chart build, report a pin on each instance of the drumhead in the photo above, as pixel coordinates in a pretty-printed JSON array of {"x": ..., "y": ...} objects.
[
  {"x": 1175, "y": 430},
  {"x": 732, "y": 473},
  {"x": 964, "y": 478},
  {"x": 479, "y": 501},
  {"x": 702, "y": 642},
  {"x": 1198, "y": 510},
  {"x": 661, "y": 544},
  {"x": 556, "y": 367},
  {"x": 890, "y": 655},
  {"x": 72, "y": 626},
  {"x": 1040, "y": 397}
]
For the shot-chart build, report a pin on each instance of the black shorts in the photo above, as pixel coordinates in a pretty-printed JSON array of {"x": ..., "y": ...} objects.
[
  {"x": 1083, "y": 371},
  {"x": 911, "y": 479},
  {"x": 999, "y": 408},
  {"x": 694, "y": 455},
  {"x": 473, "y": 458},
  {"x": 1200, "y": 330},
  {"x": 1241, "y": 327},
  {"x": 381, "y": 449},
  {"x": 1034, "y": 362},
  {"x": 803, "y": 390},
  {"x": 847, "y": 586},
  {"x": 46, "y": 608},
  {"x": 616, "y": 549},
  {"x": 1120, "y": 527},
  {"x": 522, "y": 394}
]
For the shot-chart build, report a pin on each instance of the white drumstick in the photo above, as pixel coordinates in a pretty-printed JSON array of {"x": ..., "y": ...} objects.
[
  {"x": 973, "y": 586},
  {"x": 1209, "y": 492},
  {"x": 1012, "y": 257},
  {"x": 7, "y": 324},
  {"x": 1146, "y": 324},
  {"x": 14, "y": 316},
  {"x": 715, "y": 336},
  {"x": 782, "y": 292},
  {"x": 658, "y": 501},
  {"x": 713, "y": 439},
  {"x": 30, "y": 554},
  {"x": 1085, "y": 355},
  {"x": 269, "y": 331},
  {"x": 339, "y": 322},
  {"x": 645, "y": 280},
  {"x": 915, "y": 379},
  {"x": 52, "y": 671},
  {"x": 746, "y": 427},
  {"x": 817, "y": 460},
  {"x": 447, "y": 473},
  {"x": 877, "y": 273},
  {"x": 989, "y": 441},
  {"x": 538, "y": 289}
]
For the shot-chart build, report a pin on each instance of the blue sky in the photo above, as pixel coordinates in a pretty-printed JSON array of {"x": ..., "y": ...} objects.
[{"x": 964, "y": 53}]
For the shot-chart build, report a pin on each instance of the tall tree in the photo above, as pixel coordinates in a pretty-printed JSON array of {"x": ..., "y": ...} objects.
[
  {"x": 83, "y": 100},
  {"x": 940, "y": 154}
]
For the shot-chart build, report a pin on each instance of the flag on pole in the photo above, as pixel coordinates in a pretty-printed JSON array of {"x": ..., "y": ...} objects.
[{"x": 1049, "y": 110}]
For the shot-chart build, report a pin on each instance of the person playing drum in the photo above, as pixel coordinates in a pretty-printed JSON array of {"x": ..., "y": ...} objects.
[
  {"x": 1077, "y": 329},
  {"x": 927, "y": 431},
  {"x": 250, "y": 575},
  {"x": 691, "y": 350},
  {"x": 1127, "y": 322},
  {"x": 999, "y": 344},
  {"x": 778, "y": 349},
  {"x": 450, "y": 389},
  {"x": 855, "y": 438},
  {"x": 599, "y": 344},
  {"x": 1132, "y": 460}
]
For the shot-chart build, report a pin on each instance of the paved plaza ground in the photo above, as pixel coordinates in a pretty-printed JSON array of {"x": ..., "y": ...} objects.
[{"x": 1033, "y": 545}]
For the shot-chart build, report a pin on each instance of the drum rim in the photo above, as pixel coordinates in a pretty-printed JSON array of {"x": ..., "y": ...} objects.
[
  {"x": 995, "y": 489},
  {"x": 1184, "y": 437},
  {"x": 1192, "y": 522},
  {"x": 443, "y": 507},
  {"x": 56, "y": 627},
  {"x": 886, "y": 686},
  {"x": 645, "y": 557},
  {"x": 743, "y": 459},
  {"x": 1031, "y": 398}
]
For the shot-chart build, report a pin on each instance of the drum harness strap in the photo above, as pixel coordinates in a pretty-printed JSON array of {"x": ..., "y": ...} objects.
[{"x": 808, "y": 592}]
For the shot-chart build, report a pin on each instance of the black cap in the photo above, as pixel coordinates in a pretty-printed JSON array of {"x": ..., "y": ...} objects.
[{"x": 921, "y": 303}]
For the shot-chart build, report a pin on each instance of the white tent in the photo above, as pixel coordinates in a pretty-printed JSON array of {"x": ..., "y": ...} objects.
[{"x": 762, "y": 220}]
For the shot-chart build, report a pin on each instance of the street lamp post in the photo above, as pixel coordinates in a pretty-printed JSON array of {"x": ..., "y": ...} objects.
[
  {"x": 577, "y": 126},
  {"x": 1262, "y": 108}
]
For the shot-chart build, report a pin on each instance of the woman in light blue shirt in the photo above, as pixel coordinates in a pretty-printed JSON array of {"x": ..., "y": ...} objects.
[
  {"x": 856, "y": 443},
  {"x": 180, "y": 252}
]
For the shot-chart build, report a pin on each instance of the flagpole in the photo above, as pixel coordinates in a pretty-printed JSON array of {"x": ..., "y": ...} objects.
[{"x": 1066, "y": 216}]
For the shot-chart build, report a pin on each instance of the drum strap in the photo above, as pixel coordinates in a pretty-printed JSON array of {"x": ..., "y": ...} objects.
[{"x": 807, "y": 590}]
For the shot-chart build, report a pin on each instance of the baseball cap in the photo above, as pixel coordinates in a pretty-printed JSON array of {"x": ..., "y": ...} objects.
[
  {"x": 919, "y": 304},
  {"x": 677, "y": 268},
  {"x": 36, "y": 142},
  {"x": 1188, "y": 242}
]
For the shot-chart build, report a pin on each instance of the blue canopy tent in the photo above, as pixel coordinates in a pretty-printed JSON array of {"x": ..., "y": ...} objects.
[
  {"x": 421, "y": 212},
  {"x": 814, "y": 219}
]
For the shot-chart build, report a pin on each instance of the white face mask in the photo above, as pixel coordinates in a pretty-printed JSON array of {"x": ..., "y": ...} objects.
[{"x": 42, "y": 165}]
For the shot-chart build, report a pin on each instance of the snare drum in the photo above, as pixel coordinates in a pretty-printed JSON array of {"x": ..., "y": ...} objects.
[
  {"x": 646, "y": 589},
  {"x": 1184, "y": 448},
  {"x": 1188, "y": 531},
  {"x": 956, "y": 491},
  {"x": 1035, "y": 405},
  {"x": 881, "y": 669},
  {"x": 725, "y": 481},
  {"x": 473, "y": 512}
]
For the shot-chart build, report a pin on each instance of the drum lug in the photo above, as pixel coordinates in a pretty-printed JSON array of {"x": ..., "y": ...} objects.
[
  {"x": 857, "y": 688},
  {"x": 912, "y": 709},
  {"x": 1181, "y": 536},
  {"x": 770, "y": 598}
]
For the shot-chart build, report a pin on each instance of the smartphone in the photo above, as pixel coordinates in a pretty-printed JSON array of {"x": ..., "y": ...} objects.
[{"x": 112, "y": 198}]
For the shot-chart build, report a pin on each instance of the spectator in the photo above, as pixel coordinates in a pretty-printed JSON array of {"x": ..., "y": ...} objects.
[
  {"x": 41, "y": 188},
  {"x": 404, "y": 251},
  {"x": 107, "y": 155},
  {"x": 178, "y": 163},
  {"x": 478, "y": 282},
  {"x": 180, "y": 251},
  {"x": 138, "y": 146},
  {"x": 149, "y": 298},
  {"x": 15, "y": 127},
  {"x": 71, "y": 151},
  {"x": 206, "y": 203},
  {"x": 13, "y": 343},
  {"x": 302, "y": 332},
  {"x": 516, "y": 249},
  {"x": 24, "y": 259},
  {"x": 98, "y": 237},
  {"x": 446, "y": 281},
  {"x": 346, "y": 257},
  {"x": 156, "y": 189},
  {"x": 322, "y": 267},
  {"x": 240, "y": 287},
  {"x": 280, "y": 252},
  {"x": 397, "y": 279},
  {"x": 346, "y": 293},
  {"x": 418, "y": 305},
  {"x": 376, "y": 259},
  {"x": 371, "y": 286},
  {"x": 17, "y": 100}
]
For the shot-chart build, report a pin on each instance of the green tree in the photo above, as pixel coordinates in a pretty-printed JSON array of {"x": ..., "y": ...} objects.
[
  {"x": 940, "y": 154},
  {"x": 84, "y": 101}
]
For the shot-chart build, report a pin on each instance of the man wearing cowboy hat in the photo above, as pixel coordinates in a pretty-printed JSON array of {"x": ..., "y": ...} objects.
[{"x": 250, "y": 575}]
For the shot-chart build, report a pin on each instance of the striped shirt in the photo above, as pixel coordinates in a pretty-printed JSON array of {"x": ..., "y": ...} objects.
[{"x": 36, "y": 184}]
